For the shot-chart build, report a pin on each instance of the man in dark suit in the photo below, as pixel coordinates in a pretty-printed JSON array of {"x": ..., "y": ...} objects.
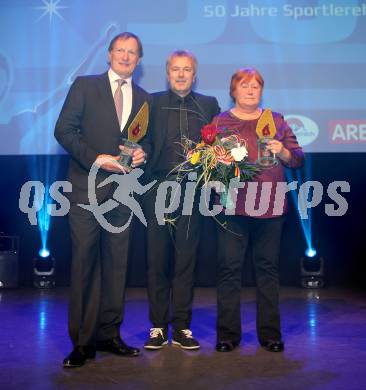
[
  {"x": 177, "y": 116},
  {"x": 96, "y": 114}
]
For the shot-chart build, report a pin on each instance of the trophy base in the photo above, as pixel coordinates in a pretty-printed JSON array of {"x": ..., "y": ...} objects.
[
  {"x": 125, "y": 160},
  {"x": 268, "y": 162},
  {"x": 125, "y": 157},
  {"x": 266, "y": 159}
]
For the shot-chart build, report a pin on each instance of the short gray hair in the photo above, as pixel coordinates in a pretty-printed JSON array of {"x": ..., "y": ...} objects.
[{"x": 182, "y": 53}]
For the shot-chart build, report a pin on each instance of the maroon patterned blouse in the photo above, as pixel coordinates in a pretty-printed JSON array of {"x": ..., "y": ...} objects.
[{"x": 265, "y": 196}]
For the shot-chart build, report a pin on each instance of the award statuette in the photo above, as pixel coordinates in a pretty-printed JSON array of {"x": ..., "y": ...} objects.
[
  {"x": 136, "y": 131},
  {"x": 266, "y": 130}
]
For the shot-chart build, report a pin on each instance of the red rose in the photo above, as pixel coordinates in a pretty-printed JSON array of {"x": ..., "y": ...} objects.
[{"x": 208, "y": 134}]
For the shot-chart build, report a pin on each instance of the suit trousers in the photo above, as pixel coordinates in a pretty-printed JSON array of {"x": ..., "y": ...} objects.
[
  {"x": 98, "y": 275},
  {"x": 171, "y": 258},
  {"x": 264, "y": 235}
]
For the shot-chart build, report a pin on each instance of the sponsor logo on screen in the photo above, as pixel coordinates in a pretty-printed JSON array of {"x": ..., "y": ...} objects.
[
  {"x": 305, "y": 129},
  {"x": 347, "y": 131}
]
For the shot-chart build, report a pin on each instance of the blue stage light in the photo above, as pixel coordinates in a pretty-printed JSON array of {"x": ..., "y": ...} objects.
[
  {"x": 44, "y": 252},
  {"x": 43, "y": 171},
  {"x": 44, "y": 221},
  {"x": 311, "y": 265},
  {"x": 44, "y": 263},
  {"x": 44, "y": 270},
  {"x": 306, "y": 224},
  {"x": 310, "y": 252},
  {"x": 312, "y": 269}
]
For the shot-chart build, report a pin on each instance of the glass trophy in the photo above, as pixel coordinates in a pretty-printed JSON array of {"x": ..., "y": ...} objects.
[
  {"x": 125, "y": 157},
  {"x": 266, "y": 158}
]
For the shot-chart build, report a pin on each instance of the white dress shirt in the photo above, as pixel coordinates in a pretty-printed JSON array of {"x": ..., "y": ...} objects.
[{"x": 126, "y": 92}]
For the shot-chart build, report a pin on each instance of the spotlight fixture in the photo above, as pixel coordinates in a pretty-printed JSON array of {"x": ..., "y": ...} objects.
[
  {"x": 312, "y": 269},
  {"x": 44, "y": 270}
]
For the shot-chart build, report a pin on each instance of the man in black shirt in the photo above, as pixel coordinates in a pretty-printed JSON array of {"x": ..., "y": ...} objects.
[{"x": 178, "y": 115}]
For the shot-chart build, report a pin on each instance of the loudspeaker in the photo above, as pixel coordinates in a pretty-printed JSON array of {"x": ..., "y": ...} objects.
[{"x": 8, "y": 261}]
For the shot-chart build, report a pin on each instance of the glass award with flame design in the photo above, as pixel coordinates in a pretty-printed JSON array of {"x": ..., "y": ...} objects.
[
  {"x": 266, "y": 130},
  {"x": 136, "y": 131}
]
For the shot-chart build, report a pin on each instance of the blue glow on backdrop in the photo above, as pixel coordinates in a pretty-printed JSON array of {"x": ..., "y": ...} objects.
[
  {"x": 44, "y": 226},
  {"x": 312, "y": 54},
  {"x": 44, "y": 170},
  {"x": 306, "y": 224}
]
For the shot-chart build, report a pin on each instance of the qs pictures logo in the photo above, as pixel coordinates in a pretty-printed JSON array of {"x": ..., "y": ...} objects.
[{"x": 305, "y": 129}]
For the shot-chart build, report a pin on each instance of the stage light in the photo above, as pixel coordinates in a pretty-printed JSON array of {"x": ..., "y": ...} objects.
[
  {"x": 44, "y": 270},
  {"x": 44, "y": 170},
  {"x": 44, "y": 263},
  {"x": 310, "y": 252},
  {"x": 312, "y": 265},
  {"x": 312, "y": 269},
  {"x": 44, "y": 252}
]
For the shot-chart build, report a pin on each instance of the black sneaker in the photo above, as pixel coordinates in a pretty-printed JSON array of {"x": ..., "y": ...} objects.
[
  {"x": 184, "y": 339},
  {"x": 158, "y": 338}
]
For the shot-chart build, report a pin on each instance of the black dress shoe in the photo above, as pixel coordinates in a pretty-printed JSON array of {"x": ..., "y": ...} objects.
[
  {"x": 79, "y": 356},
  {"x": 226, "y": 346},
  {"x": 273, "y": 345},
  {"x": 118, "y": 347}
]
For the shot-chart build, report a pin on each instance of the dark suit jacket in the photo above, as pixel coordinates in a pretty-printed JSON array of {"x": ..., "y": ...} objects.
[
  {"x": 206, "y": 106},
  {"x": 88, "y": 126}
]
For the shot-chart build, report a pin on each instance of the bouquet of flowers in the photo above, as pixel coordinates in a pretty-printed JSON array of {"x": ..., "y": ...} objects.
[{"x": 220, "y": 156}]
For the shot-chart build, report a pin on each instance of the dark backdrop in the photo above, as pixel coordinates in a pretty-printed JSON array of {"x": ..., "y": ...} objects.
[{"x": 340, "y": 240}]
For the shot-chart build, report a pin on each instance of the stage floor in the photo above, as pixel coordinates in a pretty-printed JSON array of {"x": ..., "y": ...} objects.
[{"x": 324, "y": 331}]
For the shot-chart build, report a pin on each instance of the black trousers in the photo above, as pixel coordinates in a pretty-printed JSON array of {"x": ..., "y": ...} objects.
[
  {"x": 171, "y": 259},
  {"x": 98, "y": 275},
  {"x": 265, "y": 237}
]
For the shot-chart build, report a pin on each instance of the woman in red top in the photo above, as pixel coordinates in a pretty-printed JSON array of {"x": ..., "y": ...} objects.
[{"x": 258, "y": 215}]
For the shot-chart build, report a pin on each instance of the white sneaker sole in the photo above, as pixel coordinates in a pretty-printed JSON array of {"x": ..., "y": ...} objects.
[
  {"x": 182, "y": 346},
  {"x": 156, "y": 347}
]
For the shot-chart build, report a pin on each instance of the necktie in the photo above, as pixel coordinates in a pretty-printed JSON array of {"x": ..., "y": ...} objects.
[{"x": 118, "y": 99}]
